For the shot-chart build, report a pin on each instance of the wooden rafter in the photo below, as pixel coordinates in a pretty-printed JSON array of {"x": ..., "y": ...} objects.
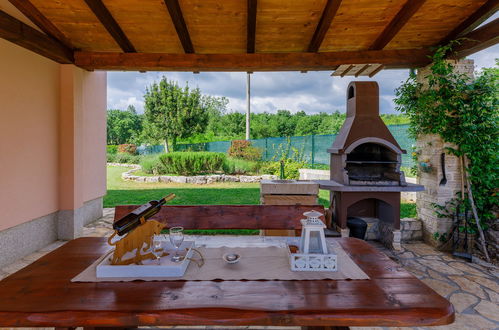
[
  {"x": 251, "y": 26},
  {"x": 364, "y": 68},
  {"x": 324, "y": 24},
  {"x": 396, "y": 24},
  {"x": 105, "y": 17},
  {"x": 479, "y": 39},
  {"x": 34, "y": 15},
  {"x": 375, "y": 71},
  {"x": 180, "y": 26},
  {"x": 350, "y": 67},
  {"x": 469, "y": 24},
  {"x": 15, "y": 31},
  {"x": 249, "y": 62}
]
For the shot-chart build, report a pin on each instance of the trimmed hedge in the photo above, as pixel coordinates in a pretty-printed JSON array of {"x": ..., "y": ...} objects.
[{"x": 192, "y": 163}]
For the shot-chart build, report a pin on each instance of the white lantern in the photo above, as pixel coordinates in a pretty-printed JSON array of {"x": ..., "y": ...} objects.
[{"x": 314, "y": 253}]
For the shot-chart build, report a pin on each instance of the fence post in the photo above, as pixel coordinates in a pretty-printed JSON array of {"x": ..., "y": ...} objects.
[
  {"x": 266, "y": 150},
  {"x": 313, "y": 150}
]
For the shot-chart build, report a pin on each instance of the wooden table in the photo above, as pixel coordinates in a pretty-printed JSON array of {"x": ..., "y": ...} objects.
[{"x": 42, "y": 295}]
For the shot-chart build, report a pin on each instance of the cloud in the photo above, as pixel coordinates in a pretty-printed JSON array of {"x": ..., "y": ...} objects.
[{"x": 311, "y": 92}]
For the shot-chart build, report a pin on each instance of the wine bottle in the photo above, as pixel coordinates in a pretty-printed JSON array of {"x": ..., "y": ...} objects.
[{"x": 132, "y": 219}]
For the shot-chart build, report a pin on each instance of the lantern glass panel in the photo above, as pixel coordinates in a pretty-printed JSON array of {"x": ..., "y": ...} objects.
[{"x": 315, "y": 245}]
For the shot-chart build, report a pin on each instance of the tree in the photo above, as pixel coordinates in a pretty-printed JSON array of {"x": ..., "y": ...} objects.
[
  {"x": 123, "y": 126},
  {"x": 172, "y": 112}
]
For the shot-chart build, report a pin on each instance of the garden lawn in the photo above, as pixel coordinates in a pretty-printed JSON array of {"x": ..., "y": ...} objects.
[{"x": 120, "y": 192}]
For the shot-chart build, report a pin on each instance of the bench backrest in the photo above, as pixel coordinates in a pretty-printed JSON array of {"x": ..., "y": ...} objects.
[{"x": 228, "y": 216}]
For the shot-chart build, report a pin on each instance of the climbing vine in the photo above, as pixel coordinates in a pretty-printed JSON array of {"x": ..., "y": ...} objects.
[{"x": 463, "y": 112}]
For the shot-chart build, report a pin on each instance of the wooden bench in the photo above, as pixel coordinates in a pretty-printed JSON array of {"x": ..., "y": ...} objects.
[{"x": 228, "y": 216}]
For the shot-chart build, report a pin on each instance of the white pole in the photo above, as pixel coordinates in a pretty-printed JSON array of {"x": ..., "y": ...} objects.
[{"x": 248, "y": 106}]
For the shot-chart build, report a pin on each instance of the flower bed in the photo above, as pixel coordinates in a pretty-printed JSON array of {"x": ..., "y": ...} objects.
[{"x": 196, "y": 179}]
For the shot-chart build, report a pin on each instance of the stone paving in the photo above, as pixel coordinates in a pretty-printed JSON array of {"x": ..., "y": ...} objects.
[{"x": 472, "y": 288}]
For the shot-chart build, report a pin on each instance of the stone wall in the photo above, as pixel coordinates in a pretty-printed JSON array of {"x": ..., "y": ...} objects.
[{"x": 430, "y": 149}]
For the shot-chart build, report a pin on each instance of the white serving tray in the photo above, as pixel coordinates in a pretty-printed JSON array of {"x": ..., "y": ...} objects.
[
  {"x": 149, "y": 268},
  {"x": 313, "y": 262}
]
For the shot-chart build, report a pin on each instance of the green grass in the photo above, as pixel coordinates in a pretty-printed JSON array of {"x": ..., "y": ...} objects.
[{"x": 120, "y": 192}]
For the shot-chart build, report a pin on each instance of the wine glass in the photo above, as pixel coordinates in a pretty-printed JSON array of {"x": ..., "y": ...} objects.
[
  {"x": 157, "y": 250},
  {"x": 176, "y": 238}
]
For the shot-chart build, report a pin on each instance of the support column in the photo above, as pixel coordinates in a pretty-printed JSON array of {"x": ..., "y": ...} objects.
[
  {"x": 430, "y": 148},
  {"x": 82, "y": 141},
  {"x": 248, "y": 104}
]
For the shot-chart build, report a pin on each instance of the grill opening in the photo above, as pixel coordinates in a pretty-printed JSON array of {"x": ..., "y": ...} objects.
[{"x": 372, "y": 162}]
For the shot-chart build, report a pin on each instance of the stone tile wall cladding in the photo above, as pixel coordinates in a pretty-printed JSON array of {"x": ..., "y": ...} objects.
[
  {"x": 196, "y": 179},
  {"x": 411, "y": 230},
  {"x": 430, "y": 148}
]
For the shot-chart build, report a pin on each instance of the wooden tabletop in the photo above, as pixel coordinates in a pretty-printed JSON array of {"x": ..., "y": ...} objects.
[{"x": 42, "y": 294}]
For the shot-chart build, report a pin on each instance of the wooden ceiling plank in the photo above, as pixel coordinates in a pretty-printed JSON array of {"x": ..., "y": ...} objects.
[
  {"x": 35, "y": 16},
  {"x": 397, "y": 23},
  {"x": 251, "y": 26},
  {"x": 474, "y": 20},
  {"x": 324, "y": 24},
  {"x": 364, "y": 68},
  {"x": 344, "y": 73},
  {"x": 21, "y": 34},
  {"x": 249, "y": 62},
  {"x": 479, "y": 39},
  {"x": 180, "y": 26},
  {"x": 108, "y": 21},
  {"x": 375, "y": 71}
]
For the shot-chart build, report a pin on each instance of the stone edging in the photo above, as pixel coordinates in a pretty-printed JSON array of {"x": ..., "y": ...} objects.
[{"x": 197, "y": 179}]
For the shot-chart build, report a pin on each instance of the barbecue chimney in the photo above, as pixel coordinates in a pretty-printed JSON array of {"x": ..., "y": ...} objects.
[{"x": 365, "y": 152}]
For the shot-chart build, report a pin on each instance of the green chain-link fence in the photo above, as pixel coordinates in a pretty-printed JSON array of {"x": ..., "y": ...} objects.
[{"x": 311, "y": 148}]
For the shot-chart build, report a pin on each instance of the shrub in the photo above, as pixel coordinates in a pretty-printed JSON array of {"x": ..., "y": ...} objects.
[
  {"x": 128, "y": 148},
  {"x": 290, "y": 169},
  {"x": 111, "y": 158},
  {"x": 191, "y": 163},
  {"x": 126, "y": 158},
  {"x": 242, "y": 166},
  {"x": 152, "y": 165},
  {"x": 243, "y": 149},
  {"x": 112, "y": 149}
]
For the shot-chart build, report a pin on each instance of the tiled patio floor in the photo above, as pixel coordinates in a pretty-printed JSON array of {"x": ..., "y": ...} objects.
[{"x": 472, "y": 288}]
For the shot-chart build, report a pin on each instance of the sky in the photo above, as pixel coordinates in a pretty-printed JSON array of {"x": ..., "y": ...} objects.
[{"x": 312, "y": 92}]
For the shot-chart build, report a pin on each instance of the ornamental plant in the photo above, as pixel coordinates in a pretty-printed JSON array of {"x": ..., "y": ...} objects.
[
  {"x": 244, "y": 150},
  {"x": 127, "y": 148},
  {"x": 193, "y": 163},
  {"x": 463, "y": 112}
]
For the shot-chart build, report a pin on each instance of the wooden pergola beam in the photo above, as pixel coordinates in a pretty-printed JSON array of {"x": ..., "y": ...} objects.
[
  {"x": 108, "y": 21},
  {"x": 479, "y": 39},
  {"x": 34, "y": 15},
  {"x": 180, "y": 26},
  {"x": 21, "y": 34},
  {"x": 469, "y": 24},
  {"x": 251, "y": 26},
  {"x": 249, "y": 62},
  {"x": 324, "y": 24},
  {"x": 396, "y": 24}
]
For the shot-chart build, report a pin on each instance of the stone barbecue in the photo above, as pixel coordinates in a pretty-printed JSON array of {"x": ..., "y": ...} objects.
[{"x": 366, "y": 179}]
